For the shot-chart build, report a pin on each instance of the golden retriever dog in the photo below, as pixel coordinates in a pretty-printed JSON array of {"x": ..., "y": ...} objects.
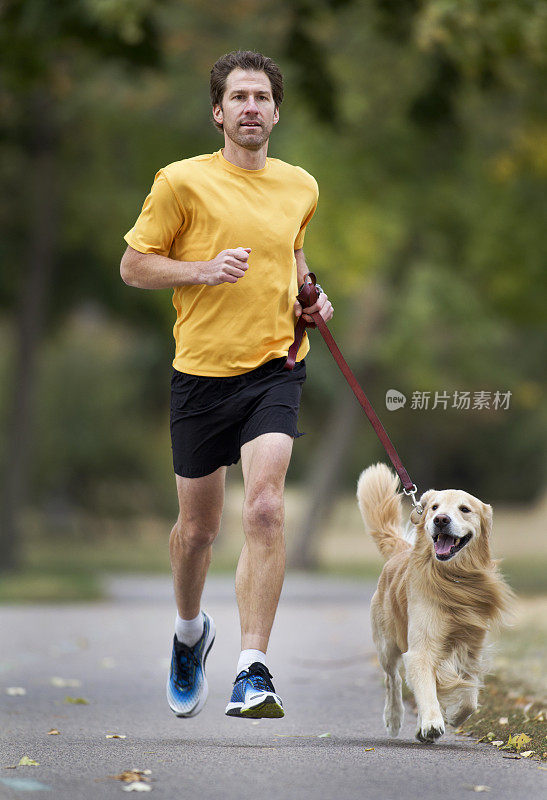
[{"x": 436, "y": 599}]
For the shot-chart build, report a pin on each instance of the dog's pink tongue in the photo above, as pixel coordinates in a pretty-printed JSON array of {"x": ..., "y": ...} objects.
[{"x": 443, "y": 544}]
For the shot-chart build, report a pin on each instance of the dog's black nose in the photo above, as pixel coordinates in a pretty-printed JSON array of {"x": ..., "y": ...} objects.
[{"x": 441, "y": 520}]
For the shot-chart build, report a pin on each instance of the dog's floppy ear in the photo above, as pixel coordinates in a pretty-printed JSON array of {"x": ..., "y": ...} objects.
[
  {"x": 415, "y": 518},
  {"x": 486, "y": 519}
]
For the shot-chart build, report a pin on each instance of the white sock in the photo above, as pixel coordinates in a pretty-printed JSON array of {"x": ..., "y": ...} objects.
[
  {"x": 189, "y": 631},
  {"x": 248, "y": 657}
]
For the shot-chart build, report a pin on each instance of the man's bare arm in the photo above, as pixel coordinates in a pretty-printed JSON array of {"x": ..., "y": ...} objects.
[
  {"x": 301, "y": 266},
  {"x": 322, "y": 305},
  {"x": 151, "y": 271}
]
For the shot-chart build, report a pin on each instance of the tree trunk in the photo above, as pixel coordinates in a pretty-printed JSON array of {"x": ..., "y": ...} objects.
[
  {"x": 29, "y": 324},
  {"x": 322, "y": 483}
]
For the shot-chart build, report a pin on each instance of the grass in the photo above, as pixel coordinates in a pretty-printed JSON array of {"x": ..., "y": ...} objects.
[
  {"x": 506, "y": 713},
  {"x": 32, "y": 585},
  {"x": 68, "y": 566},
  {"x": 527, "y": 575}
]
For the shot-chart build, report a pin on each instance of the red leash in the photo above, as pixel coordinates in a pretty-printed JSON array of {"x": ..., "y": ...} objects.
[{"x": 307, "y": 297}]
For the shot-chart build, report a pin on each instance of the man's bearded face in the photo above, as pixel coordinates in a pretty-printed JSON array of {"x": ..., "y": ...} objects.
[{"x": 248, "y": 111}]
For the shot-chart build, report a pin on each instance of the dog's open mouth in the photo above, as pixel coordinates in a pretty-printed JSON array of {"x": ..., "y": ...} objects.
[{"x": 447, "y": 546}]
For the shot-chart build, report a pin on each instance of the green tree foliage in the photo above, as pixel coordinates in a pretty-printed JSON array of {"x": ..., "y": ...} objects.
[
  {"x": 45, "y": 48},
  {"x": 424, "y": 123}
]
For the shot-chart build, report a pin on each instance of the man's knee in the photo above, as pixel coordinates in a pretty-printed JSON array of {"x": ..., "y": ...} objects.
[
  {"x": 263, "y": 514},
  {"x": 195, "y": 534}
]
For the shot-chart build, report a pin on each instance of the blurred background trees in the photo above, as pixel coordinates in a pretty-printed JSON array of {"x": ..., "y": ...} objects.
[{"x": 424, "y": 124}]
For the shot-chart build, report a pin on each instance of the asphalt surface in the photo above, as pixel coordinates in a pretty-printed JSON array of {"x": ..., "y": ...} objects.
[{"x": 330, "y": 744}]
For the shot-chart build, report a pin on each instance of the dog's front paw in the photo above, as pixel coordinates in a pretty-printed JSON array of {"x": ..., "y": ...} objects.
[{"x": 429, "y": 729}]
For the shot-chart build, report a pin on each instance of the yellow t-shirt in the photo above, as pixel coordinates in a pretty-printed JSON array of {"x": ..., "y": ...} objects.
[{"x": 200, "y": 206}]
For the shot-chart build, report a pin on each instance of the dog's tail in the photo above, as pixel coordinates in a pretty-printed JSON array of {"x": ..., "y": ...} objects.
[{"x": 380, "y": 505}]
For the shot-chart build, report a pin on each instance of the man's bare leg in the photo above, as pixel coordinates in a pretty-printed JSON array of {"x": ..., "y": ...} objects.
[
  {"x": 200, "y": 508},
  {"x": 190, "y": 544},
  {"x": 261, "y": 567}
]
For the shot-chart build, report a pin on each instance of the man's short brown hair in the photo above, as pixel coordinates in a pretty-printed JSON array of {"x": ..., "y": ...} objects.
[{"x": 247, "y": 60}]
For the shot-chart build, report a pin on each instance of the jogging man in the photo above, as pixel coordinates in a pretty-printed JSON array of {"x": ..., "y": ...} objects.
[{"x": 226, "y": 231}]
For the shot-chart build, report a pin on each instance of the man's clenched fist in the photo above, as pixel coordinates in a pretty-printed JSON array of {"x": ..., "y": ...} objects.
[{"x": 228, "y": 267}]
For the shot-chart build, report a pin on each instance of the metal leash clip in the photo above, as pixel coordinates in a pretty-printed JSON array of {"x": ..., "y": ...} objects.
[{"x": 412, "y": 494}]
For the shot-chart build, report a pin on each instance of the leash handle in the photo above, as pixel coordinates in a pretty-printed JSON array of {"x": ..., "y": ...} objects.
[
  {"x": 308, "y": 293},
  {"x": 307, "y": 296}
]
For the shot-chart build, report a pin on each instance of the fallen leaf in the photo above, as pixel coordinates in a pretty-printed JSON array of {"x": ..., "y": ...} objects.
[
  {"x": 14, "y": 691},
  {"x": 324, "y": 736},
  {"x": 116, "y": 736},
  {"x": 10, "y": 766},
  {"x": 490, "y": 736},
  {"x": 127, "y": 775},
  {"x": 53, "y": 732},
  {"x": 368, "y": 749},
  {"x": 497, "y": 742},
  {"x": 480, "y": 788},
  {"x": 28, "y": 762},
  {"x": 65, "y": 682},
  {"x": 77, "y": 701},
  {"x": 517, "y": 758},
  {"x": 137, "y": 787},
  {"x": 132, "y": 775},
  {"x": 528, "y": 753},
  {"x": 519, "y": 740},
  {"x": 504, "y": 720}
]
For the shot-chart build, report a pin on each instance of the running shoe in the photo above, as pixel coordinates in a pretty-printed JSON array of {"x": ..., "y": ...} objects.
[
  {"x": 254, "y": 695},
  {"x": 187, "y": 687}
]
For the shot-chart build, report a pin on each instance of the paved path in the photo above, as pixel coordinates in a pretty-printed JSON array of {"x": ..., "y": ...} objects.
[{"x": 323, "y": 663}]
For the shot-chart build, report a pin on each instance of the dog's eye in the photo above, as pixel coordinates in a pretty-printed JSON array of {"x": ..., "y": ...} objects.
[
  {"x": 435, "y": 507},
  {"x": 465, "y": 509}
]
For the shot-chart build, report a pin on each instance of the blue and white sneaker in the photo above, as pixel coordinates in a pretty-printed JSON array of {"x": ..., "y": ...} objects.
[
  {"x": 187, "y": 687},
  {"x": 254, "y": 695}
]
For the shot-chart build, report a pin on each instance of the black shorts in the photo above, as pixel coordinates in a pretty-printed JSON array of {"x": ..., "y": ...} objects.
[{"x": 211, "y": 418}]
